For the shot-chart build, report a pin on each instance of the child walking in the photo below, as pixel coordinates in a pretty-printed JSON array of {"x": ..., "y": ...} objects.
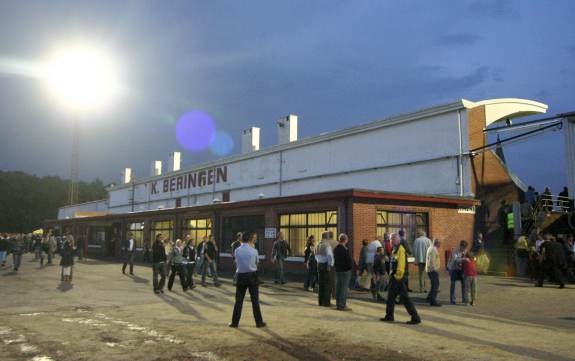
[
  {"x": 469, "y": 266},
  {"x": 380, "y": 275}
]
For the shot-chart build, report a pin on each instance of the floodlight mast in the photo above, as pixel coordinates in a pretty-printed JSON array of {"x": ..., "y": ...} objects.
[
  {"x": 82, "y": 79},
  {"x": 74, "y": 164}
]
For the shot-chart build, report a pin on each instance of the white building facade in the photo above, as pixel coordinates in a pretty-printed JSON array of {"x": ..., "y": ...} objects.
[{"x": 425, "y": 152}]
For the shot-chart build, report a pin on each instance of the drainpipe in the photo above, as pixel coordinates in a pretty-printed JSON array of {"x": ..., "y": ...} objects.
[
  {"x": 460, "y": 155},
  {"x": 281, "y": 171}
]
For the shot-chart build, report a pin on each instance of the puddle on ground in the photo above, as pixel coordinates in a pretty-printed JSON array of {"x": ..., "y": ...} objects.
[
  {"x": 25, "y": 348},
  {"x": 42, "y": 358}
]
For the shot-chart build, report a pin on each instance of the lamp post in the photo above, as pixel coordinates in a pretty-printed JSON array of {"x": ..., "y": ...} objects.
[{"x": 82, "y": 78}]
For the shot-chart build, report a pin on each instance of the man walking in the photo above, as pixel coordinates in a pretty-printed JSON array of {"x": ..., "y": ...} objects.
[
  {"x": 552, "y": 260},
  {"x": 324, "y": 257},
  {"x": 246, "y": 257},
  {"x": 343, "y": 264},
  {"x": 158, "y": 264},
  {"x": 43, "y": 249},
  {"x": 18, "y": 246},
  {"x": 52, "y": 247},
  {"x": 280, "y": 252},
  {"x": 4, "y": 247},
  {"x": 432, "y": 264},
  {"x": 207, "y": 250},
  {"x": 420, "y": 247},
  {"x": 397, "y": 284},
  {"x": 178, "y": 266},
  {"x": 456, "y": 272},
  {"x": 129, "y": 254}
]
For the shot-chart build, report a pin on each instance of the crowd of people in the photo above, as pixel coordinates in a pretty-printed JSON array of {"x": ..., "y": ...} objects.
[
  {"x": 44, "y": 247},
  {"x": 382, "y": 270},
  {"x": 543, "y": 256}
]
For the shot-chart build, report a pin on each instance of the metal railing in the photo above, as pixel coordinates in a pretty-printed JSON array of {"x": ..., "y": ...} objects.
[{"x": 542, "y": 207}]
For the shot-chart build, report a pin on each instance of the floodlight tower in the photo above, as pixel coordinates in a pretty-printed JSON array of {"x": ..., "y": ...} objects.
[
  {"x": 82, "y": 78},
  {"x": 74, "y": 164}
]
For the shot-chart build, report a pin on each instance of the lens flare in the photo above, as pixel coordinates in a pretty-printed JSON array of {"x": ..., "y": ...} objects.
[
  {"x": 195, "y": 131},
  {"x": 223, "y": 144}
]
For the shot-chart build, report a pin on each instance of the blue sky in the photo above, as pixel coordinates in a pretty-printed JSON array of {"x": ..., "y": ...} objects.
[{"x": 334, "y": 63}]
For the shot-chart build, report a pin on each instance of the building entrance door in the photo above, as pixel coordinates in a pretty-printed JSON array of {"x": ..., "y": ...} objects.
[
  {"x": 113, "y": 240},
  {"x": 234, "y": 224}
]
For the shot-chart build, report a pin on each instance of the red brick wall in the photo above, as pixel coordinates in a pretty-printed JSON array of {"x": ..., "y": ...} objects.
[
  {"x": 445, "y": 223},
  {"x": 490, "y": 181}
]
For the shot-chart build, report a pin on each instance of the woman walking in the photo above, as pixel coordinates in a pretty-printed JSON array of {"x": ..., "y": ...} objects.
[
  {"x": 310, "y": 264},
  {"x": 67, "y": 262},
  {"x": 178, "y": 267}
]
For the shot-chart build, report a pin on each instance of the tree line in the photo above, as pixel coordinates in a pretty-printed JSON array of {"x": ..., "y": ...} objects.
[{"x": 27, "y": 200}]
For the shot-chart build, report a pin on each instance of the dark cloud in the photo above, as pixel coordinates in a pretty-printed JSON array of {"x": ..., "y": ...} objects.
[
  {"x": 335, "y": 65},
  {"x": 464, "y": 39}
]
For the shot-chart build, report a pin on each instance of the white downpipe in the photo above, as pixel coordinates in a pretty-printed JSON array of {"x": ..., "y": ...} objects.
[
  {"x": 569, "y": 132},
  {"x": 460, "y": 155}
]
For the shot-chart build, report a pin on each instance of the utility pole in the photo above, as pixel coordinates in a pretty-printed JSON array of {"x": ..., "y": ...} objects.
[{"x": 74, "y": 165}]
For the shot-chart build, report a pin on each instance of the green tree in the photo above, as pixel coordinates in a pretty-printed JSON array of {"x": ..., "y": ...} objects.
[{"x": 27, "y": 200}]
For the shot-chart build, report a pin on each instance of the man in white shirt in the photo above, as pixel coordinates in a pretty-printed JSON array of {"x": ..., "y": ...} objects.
[
  {"x": 130, "y": 248},
  {"x": 324, "y": 257},
  {"x": 246, "y": 257},
  {"x": 432, "y": 264},
  {"x": 420, "y": 247}
]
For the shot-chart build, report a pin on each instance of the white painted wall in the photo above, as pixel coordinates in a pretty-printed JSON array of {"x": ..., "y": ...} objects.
[{"x": 415, "y": 156}]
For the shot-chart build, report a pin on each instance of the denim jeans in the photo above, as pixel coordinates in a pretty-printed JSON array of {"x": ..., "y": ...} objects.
[
  {"x": 159, "y": 269},
  {"x": 16, "y": 260},
  {"x": 280, "y": 277},
  {"x": 434, "y": 279},
  {"x": 2, "y": 256},
  {"x": 190, "y": 274},
  {"x": 457, "y": 275},
  {"x": 341, "y": 287},
  {"x": 311, "y": 277},
  {"x": 212, "y": 267}
]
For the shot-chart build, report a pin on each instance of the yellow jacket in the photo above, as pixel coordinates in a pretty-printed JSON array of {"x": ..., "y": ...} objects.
[{"x": 400, "y": 258}]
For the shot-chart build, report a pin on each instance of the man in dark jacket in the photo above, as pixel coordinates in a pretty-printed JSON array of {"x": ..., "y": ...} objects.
[
  {"x": 208, "y": 252},
  {"x": 343, "y": 264},
  {"x": 280, "y": 251},
  {"x": 552, "y": 261},
  {"x": 4, "y": 248},
  {"x": 18, "y": 247},
  {"x": 158, "y": 264},
  {"x": 129, "y": 252}
]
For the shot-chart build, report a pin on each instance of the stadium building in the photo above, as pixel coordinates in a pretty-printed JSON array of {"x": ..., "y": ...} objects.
[{"x": 415, "y": 171}]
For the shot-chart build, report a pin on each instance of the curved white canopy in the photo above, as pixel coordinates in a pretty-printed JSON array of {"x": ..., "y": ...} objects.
[{"x": 507, "y": 108}]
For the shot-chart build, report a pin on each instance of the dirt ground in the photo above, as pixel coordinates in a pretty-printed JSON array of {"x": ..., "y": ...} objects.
[{"x": 109, "y": 316}]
